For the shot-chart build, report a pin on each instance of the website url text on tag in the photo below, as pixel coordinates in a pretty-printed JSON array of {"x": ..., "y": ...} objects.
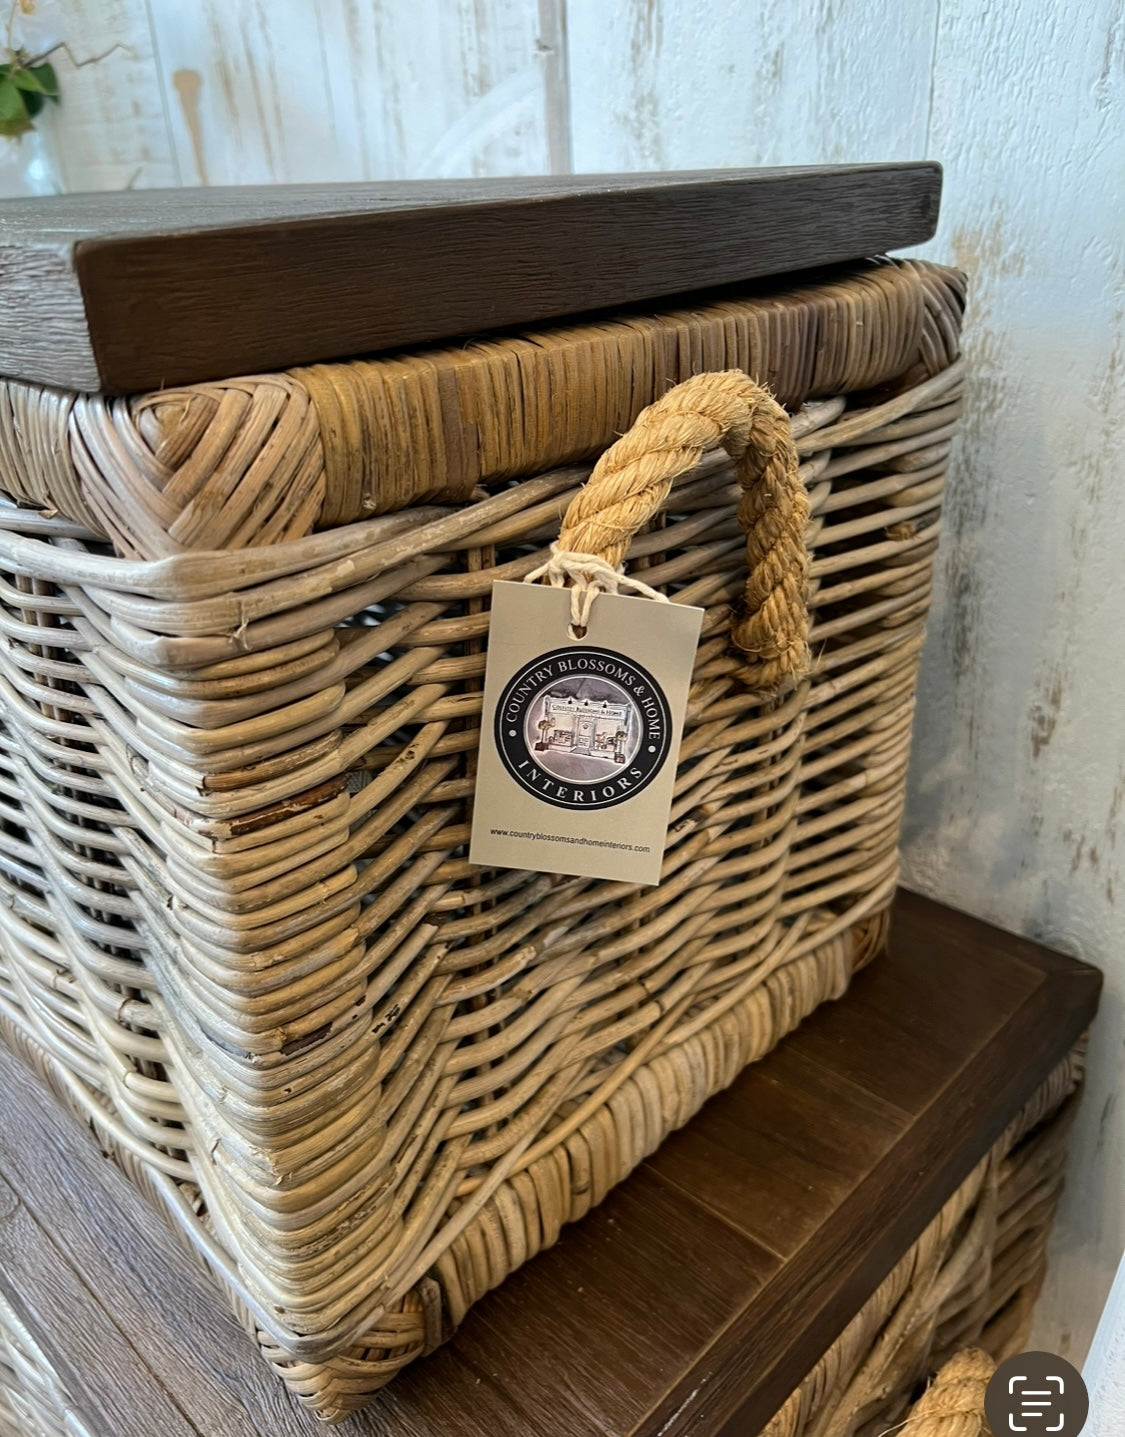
[{"x": 564, "y": 838}]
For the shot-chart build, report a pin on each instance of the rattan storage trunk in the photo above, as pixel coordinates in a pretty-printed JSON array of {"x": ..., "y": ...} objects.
[
  {"x": 971, "y": 1277},
  {"x": 243, "y": 626}
]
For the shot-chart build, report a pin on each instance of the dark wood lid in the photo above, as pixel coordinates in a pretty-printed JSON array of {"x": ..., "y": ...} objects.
[{"x": 141, "y": 289}]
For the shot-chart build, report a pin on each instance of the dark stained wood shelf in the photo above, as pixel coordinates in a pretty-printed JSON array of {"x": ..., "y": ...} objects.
[
  {"x": 144, "y": 289},
  {"x": 691, "y": 1301}
]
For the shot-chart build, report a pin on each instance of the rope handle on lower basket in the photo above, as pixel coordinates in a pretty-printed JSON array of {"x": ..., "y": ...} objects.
[
  {"x": 631, "y": 481},
  {"x": 954, "y": 1405}
]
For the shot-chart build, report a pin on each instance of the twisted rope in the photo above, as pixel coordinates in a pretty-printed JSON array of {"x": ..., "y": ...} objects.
[
  {"x": 631, "y": 482},
  {"x": 954, "y": 1405},
  {"x": 590, "y": 576}
]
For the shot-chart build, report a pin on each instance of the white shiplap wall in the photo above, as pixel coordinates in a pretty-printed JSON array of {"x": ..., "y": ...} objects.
[
  {"x": 690, "y": 85},
  {"x": 1019, "y": 772},
  {"x": 1019, "y": 762}
]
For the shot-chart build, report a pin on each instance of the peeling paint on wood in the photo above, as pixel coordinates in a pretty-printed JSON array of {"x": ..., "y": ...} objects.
[
  {"x": 1020, "y": 744},
  {"x": 685, "y": 85},
  {"x": 187, "y": 84},
  {"x": 367, "y": 89}
]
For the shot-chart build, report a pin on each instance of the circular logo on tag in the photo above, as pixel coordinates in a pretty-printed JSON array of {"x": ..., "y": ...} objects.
[
  {"x": 1037, "y": 1392},
  {"x": 583, "y": 728}
]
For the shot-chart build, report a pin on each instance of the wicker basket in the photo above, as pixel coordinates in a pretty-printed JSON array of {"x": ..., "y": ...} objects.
[
  {"x": 242, "y": 633},
  {"x": 33, "y": 1402},
  {"x": 971, "y": 1278}
]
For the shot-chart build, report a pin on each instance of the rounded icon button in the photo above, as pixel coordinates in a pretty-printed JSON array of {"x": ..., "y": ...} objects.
[{"x": 1036, "y": 1393}]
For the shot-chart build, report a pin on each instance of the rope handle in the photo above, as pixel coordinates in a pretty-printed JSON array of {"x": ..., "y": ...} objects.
[
  {"x": 954, "y": 1405},
  {"x": 632, "y": 479}
]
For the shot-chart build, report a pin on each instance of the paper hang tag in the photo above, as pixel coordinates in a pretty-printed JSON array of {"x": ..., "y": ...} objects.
[{"x": 580, "y": 737}]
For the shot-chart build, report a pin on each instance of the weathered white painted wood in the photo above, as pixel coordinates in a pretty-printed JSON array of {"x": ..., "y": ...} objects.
[
  {"x": 110, "y": 130},
  {"x": 1019, "y": 760},
  {"x": 448, "y": 87},
  {"x": 747, "y": 82},
  {"x": 247, "y": 91},
  {"x": 362, "y": 89}
]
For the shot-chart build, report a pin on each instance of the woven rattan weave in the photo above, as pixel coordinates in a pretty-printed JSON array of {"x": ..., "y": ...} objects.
[
  {"x": 33, "y": 1402},
  {"x": 242, "y": 634},
  {"x": 972, "y": 1276}
]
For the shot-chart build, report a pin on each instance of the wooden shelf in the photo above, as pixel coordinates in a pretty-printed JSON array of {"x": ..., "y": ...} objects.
[{"x": 691, "y": 1301}]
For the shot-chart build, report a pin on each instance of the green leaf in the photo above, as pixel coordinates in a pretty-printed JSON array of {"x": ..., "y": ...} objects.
[
  {"x": 38, "y": 79},
  {"x": 48, "y": 79},
  {"x": 27, "y": 80},
  {"x": 11, "y": 101},
  {"x": 14, "y": 119},
  {"x": 34, "y": 102}
]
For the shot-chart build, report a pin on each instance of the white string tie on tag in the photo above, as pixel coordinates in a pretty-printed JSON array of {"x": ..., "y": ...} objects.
[{"x": 589, "y": 575}]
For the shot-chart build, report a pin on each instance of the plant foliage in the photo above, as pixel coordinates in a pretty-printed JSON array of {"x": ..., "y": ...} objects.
[{"x": 25, "y": 87}]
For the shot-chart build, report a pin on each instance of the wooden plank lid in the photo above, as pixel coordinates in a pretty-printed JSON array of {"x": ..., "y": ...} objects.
[{"x": 143, "y": 289}]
